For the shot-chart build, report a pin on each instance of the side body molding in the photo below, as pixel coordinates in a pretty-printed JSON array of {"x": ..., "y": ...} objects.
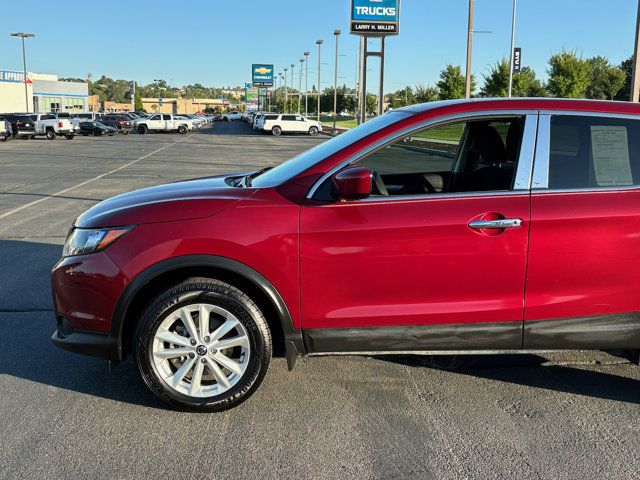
[{"x": 293, "y": 337}]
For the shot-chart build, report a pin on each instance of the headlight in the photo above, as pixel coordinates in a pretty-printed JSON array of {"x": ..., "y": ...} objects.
[{"x": 82, "y": 241}]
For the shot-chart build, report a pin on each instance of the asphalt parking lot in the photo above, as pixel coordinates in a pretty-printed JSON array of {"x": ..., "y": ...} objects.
[{"x": 65, "y": 416}]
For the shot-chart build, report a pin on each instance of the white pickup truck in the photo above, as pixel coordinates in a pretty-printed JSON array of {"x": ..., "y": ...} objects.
[
  {"x": 162, "y": 122},
  {"x": 47, "y": 124}
]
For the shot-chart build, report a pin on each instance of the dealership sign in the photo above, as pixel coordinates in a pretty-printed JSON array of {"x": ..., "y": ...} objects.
[
  {"x": 517, "y": 60},
  {"x": 375, "y": 17},
  {"x": 13, "y": 77},
  {"x": 262, "y": 75}
]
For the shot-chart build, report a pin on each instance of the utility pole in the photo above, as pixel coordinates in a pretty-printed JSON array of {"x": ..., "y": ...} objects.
[
  {"x": 319, "y": 43},
  {"x": 635, "y": 80},
  {"x": 286, "y": 98},
  {"x": 292, "y": 68},
  {"x": 469, "y": 49},
  {"x": 300, "y": 88},
  {"x": 335, "y": 83},
  {"x": 22, "y": 36},
  {"x": 306, "y": 88},
  {"x": 513, "y": 45}
]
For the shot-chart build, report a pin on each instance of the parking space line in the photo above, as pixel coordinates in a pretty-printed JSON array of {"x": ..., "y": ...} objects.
[{"x": 81, "y": 184}]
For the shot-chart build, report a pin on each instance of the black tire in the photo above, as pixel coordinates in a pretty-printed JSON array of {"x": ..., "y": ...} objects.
[
  {"x": 182, "y": 129},
  {"x": 225, "y": 119},
  {"x": 199, "y": 290},
  {"x": 51, "y": 135},
  {"x": 142, "y": 129},
  {"x": 3, "y": 139},
  {"x": 276, "y": 131},
  {"x": 69, "y": 137},
  {"x": 313, "y": 131}
]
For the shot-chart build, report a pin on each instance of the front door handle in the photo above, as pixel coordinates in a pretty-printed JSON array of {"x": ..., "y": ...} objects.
[{"x": 495, "y": 224}]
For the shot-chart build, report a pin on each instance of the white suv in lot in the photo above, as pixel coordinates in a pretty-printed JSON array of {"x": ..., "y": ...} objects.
[
  {"x": 278, "y": 124},
  {"x": 233, "y": 116}
]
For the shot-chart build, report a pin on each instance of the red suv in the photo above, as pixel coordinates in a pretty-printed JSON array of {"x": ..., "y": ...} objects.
[{"x": 486, "y": 225}]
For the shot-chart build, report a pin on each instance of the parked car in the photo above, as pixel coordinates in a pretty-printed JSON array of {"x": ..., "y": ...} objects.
[
  {"x": 21, "y": 124},
  {"x": 96, "y": 129},
  {"x": 484, "y": 225},
  {"x": 52, "y": 126},
  {"x": 162, "y": 123},
  {"x": 120, "y": 122},
  {"x": 233, "y": 116},
  {"x": 291, "y": 123},
  {"x": 6, "y": 131}
]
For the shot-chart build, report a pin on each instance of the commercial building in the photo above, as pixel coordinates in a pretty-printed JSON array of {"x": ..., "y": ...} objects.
[
  {"x": 45, "y": 93},
  {"x": 183, "y": 105}
]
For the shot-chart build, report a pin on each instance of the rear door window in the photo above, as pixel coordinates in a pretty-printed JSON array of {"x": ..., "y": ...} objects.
[{"x": 593, "y": 152}]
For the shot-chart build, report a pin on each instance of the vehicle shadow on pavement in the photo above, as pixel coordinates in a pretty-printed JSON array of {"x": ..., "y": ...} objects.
[
  {"x": 533, "y": 371},
  {"x": 27, "y": 317}
]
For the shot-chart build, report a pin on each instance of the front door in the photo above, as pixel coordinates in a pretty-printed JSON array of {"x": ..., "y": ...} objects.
[{"x": 436, "y": 258}]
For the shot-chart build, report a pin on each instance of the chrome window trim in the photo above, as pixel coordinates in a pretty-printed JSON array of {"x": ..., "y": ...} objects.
[
  {"x": 540, "y": 182},
  {"x": 526, "y": 154}
]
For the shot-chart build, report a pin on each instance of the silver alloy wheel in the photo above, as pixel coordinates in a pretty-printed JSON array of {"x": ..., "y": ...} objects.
[{"x": 201, "y": 350}]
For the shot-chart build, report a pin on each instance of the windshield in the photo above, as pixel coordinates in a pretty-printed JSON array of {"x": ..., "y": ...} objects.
[{"x": 306, "y": 160}]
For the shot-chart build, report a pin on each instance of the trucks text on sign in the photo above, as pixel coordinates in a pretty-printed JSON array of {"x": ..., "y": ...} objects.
[{"x": 375, "y": 17}]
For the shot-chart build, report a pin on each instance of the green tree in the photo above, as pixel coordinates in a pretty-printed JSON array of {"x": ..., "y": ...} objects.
[
  {"x": 137, "y": 100},
  {"x": 427, "y": 94},
  {"x": 606, "y": 80},
  {"x": 525, "y": 83},
  {"x": 569, "y": 75},
  {"x": 625, "y": 92},
  {"x": 401, "y": 98},
  {"x": 452, "y": 83}
]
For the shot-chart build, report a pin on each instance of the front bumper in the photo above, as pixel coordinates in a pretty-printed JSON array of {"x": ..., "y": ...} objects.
[
  {"x": 95, "y": 344},
  {"x": 85, "y": 289}
]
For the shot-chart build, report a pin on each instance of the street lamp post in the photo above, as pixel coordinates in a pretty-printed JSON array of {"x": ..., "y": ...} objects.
[
  {"x": 319, "y": 43},
  {"x": 513, "y": 38},
  {"x": 469, "y": 50},
  {"x": 286, "y": 98},
  {"x": 335, "y": 83},
  {"x": 300, "y": 88},
  {"x": 23, "y": 35},
  {"x": 306, "y": 88},
  {"x": 293, "y": 66}
]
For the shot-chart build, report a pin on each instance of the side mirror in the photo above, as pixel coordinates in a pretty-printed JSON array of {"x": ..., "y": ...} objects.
[{"x": 352, "y": 183}]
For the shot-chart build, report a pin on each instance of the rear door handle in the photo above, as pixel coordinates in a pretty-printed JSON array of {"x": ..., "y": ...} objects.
[{"x": 495, "y": 224}]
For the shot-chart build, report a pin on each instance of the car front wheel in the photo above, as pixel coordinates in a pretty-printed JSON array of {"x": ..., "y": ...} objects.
[
  {"x": 313, "y": 131},
  {"x": 276, "y": 131},
  {"x": 203, "y": 345},
  {"x": 142, "y": 129}
]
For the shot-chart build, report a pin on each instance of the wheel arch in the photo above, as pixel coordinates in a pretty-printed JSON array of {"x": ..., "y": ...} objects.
[{"x": 146, "y": 284}]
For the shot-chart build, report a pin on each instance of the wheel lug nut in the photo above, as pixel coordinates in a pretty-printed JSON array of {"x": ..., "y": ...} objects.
[
  {"x": 193, "y": 341},
  {"x": 192, "y": 355},
  {"x": 206, "y": 339},
  {"x": 213, "y": 351},
  {"x": 204, "y": 360}
]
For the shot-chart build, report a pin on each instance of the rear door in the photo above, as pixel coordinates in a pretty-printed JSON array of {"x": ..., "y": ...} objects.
[
  {"x": 436, "y": 257},
  {"x": 289, "y": 123},
  {"x": 584, "y": 259}
]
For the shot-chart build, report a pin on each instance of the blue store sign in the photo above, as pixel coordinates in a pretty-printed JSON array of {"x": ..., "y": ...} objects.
[
  {"x": 262, "y": 75},
  {"x": 375, "y": 17},
  {"x": 13, "y": 77}
]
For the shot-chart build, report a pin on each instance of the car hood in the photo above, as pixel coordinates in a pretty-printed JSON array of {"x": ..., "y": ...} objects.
[{"x": 164, "y": 203}]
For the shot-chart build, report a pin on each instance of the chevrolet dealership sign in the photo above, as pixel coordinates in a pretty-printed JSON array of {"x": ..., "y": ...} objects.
[
  {"x": 262, "y": 75},
  {"x": 375, "y": 17}
]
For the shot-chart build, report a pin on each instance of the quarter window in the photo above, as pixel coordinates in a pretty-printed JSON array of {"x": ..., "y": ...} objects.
[{"x": 593, "y": 152}]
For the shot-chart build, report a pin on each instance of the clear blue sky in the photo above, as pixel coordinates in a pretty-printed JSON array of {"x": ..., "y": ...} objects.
[{"x": 214, "y": 42}]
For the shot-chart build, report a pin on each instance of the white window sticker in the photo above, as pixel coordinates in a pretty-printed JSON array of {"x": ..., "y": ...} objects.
[{"x": 610, "y": 149}]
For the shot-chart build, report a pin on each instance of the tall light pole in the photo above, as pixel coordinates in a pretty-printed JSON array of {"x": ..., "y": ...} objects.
[
  {"x": 286, "y": 98},
  {"x": 300, "y": 88},
  {"x": 306, "y": 88},
  {"x": 23, "y": 35},
  {"x": 635, "y": 76},
  {"x": 335, "y": 82},
  {"x": 319, "y": 43},
  {"x": 469, "y": 49},
  {"x": 293, "y": 66},
  {"x": 513, "y": 39}
]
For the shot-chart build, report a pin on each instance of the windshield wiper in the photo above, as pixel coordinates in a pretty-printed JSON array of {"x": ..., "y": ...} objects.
[{"x": 246, "y": 181}]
